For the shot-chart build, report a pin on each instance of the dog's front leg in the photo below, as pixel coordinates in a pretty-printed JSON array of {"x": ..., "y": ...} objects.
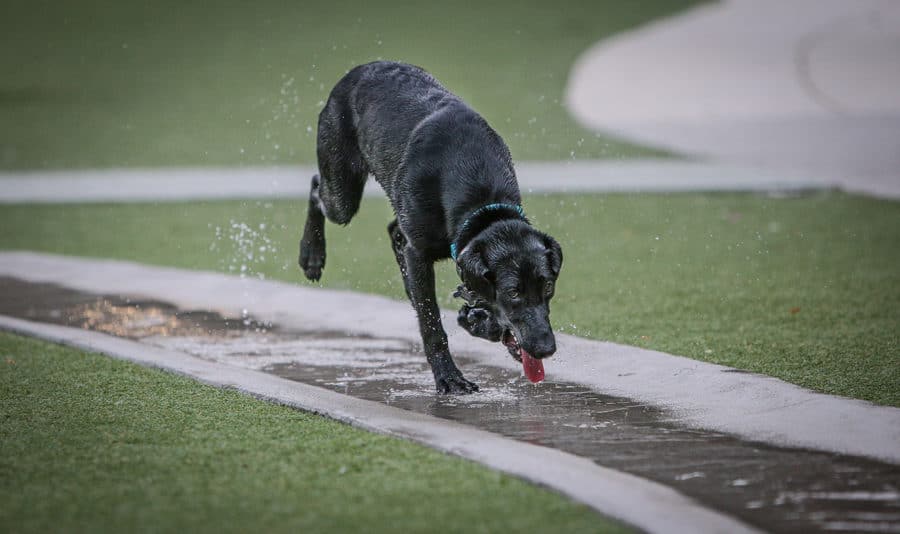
[{"x": 420, "y": 283}]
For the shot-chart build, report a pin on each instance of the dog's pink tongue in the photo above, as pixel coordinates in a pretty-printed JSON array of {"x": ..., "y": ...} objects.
[{"x": 534, "y": 368}]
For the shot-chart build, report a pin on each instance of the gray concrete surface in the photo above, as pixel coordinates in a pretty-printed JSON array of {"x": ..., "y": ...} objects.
[
  {"x": 636, "y": 501},
  {"x": 699, "y": 395},
  {"x": 177, "y": 184},
  {"x": 798, "y": 86}
]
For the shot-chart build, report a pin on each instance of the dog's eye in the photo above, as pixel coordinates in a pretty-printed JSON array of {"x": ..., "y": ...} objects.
[{"x": 548, "y": 288}]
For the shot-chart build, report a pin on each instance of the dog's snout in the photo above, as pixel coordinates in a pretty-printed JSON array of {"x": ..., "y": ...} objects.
[{"x": 544, "y": 346}]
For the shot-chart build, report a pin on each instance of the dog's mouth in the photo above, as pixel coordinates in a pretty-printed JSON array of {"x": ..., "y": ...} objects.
[{"x": 533, "y": 367}]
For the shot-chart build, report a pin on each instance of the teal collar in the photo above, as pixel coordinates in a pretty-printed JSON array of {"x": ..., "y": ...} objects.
[{"x": 483, "y": 209}]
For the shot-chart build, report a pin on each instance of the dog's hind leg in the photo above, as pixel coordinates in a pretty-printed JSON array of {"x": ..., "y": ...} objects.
[
  {"x": 336, "y": 191},
  {"x": 339, "y": 202},
  {"x": 312, "y": 244}
]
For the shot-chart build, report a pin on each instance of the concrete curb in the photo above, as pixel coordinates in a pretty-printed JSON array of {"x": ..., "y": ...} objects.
[
  {"x": 182, "y": 184},
  {"x": 644, "y": 504},
  {"x": 696, "y": 394}
]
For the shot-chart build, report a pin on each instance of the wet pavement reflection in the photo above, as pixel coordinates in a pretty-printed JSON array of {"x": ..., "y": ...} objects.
[{"x": 776, "y": 489}]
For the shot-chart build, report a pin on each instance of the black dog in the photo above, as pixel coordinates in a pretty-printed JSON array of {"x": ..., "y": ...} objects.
[{"x": 451, "y": 182}]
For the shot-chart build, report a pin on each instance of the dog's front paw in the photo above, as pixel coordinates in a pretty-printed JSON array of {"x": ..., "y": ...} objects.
[
  {"x": 454, "y": 384},
  {"x": 479, "y": 322},
  {"x": 447, "y": 378}
]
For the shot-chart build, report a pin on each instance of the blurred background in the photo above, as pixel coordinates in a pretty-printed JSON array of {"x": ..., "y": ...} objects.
[{"x": 104, "y": 83}]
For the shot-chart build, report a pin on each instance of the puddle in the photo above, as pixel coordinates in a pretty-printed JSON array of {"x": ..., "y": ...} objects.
[{"x": 776, "y": 489}]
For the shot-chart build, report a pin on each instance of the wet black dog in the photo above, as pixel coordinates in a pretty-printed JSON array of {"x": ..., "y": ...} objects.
[{"x": 451, "y": 181}]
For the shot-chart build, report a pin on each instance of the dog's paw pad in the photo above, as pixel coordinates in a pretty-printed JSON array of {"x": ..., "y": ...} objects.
[
  {"x": 311, "y": 261},
  {"x": 312, "y": 270},
  {"x": 312, "y": 274}
]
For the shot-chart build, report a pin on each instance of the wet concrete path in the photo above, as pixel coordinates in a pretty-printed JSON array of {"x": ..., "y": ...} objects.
[{"x": 777, "y": 489}]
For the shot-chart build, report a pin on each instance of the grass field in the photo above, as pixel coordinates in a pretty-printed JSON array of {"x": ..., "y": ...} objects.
[
  {"x": 806, "y": 289},
  {"x": 91, "y": 444},
  {"x": 101, "y": 83}
]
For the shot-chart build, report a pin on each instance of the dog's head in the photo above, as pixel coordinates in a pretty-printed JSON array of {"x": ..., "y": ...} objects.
[{"x": 513, "y": 268}]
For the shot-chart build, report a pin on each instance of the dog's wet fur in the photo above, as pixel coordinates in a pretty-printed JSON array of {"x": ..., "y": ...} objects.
[{"x": 439, "y": 163}]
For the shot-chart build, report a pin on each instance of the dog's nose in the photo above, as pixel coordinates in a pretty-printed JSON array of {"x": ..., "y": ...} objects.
[{"x": 544, "y": 347}]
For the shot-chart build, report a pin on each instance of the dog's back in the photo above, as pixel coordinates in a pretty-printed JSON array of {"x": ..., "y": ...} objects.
[{"x": 399, "y": 123}]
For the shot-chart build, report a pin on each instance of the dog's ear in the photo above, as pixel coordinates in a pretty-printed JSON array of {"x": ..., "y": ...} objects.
[
  {"x": 474, "y": 273},
  {"x": 554, "y": 254}
]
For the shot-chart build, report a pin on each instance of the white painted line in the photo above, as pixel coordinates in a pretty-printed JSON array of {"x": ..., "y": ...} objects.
[
  {"x": 180, "y": 184},
  {"x": 697, "y": 394},
  {"x": 639, "y": 502},
  {"x": 161, "y": 185}
]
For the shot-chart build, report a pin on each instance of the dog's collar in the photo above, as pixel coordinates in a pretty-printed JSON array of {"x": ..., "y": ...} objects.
[{"x": 513, "y": 209}]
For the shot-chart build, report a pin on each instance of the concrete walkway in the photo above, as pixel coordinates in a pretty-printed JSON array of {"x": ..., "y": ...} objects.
[
  {"x": 646, "y": 505},
  {"x": 801, "y": 86},
  {"x": 698, "y": 395}
]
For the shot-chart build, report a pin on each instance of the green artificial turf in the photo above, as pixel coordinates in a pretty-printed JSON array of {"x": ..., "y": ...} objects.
[
  {"x": 92, "y": 444},
  {"x": 805, "y": 289},
  {"x": 103, "y": 83}
]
